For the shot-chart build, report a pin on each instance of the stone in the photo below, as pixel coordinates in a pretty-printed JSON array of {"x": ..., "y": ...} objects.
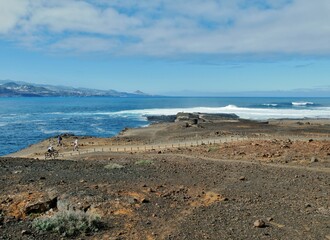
[
  {"x": 144, "y": 200},
  {"x": 270, "y": 219},
  {"x": 314, "y": 159},
  {"x": 259, "y": 223},
  {"x": 41, "y": 207},
  {"x": 150, "y": 190},
  {"x": 25, "y": 232},
  {"x": 242, "y": 178}
]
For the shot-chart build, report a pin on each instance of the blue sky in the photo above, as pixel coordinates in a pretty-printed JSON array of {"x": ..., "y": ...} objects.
[{"x": 174, "y": 47}]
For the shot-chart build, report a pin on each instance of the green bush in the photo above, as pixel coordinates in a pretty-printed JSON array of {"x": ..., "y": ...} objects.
[
  {"x": 114, "y": 166},
  {"x": 68, "y": 223},
  {"x": 144, "y": 162}
]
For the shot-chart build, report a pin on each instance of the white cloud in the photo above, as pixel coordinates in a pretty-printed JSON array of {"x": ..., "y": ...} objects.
[
  {"x": 84, "y": 44},
  {"x": 170, "y": 28},
  {"x": 10, "y": 13},
  {"x": 78, "y": 16}
]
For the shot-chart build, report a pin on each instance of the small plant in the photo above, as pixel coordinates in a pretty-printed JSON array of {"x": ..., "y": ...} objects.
[
  {"x": 113, "y": 166},
  {"x": 68, "y": 223},
  {"x": 212, "y": 149},
  {"x": 144, "y": 162}
]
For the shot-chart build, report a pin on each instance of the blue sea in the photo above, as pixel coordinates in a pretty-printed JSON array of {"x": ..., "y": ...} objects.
[{"x": 25, "y": 121}]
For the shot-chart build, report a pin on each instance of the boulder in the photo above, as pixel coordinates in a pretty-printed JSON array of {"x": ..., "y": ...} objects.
[{"x": 41, "y": 207}]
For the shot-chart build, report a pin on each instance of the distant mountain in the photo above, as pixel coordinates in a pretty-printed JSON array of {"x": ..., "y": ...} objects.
[{"x": 22, "y": 89}]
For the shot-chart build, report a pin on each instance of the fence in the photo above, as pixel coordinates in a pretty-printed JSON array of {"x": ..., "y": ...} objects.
[{"x": 129, "y": 147}]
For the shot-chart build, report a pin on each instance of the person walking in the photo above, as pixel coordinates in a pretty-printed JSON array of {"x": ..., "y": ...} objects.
[
  {"x": 59, "y": 140},
  {"x": 75, "y": 144}
]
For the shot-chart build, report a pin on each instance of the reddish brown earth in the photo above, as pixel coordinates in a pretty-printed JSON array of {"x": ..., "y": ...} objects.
[{"x": 213, "y": 191}]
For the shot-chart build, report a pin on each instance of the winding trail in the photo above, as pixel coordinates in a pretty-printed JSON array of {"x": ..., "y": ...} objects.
[
  {"x": 175, "y": 145},
  {"x": 67, "y": 153}
]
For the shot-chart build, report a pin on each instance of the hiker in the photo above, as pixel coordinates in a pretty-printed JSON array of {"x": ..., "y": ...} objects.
[
  {"x": 75, "y": 144},
  {"x": 59, "y": 140}
]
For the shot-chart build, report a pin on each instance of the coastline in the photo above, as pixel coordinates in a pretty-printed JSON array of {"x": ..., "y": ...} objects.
[
  {"x": 30, "y": 120},
  {"x": 224, "y": 176},
  {"x": 188, "y": 127}
]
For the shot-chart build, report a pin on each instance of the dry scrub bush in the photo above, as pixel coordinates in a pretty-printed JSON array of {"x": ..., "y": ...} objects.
[
  {"x": 144, "y": 162},
  {"x": 68, "y": 223},
  {"x": 113, "y": 166}
]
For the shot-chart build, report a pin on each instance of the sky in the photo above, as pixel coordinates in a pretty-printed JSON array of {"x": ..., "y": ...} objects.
[{"x": 181, "y": 47}]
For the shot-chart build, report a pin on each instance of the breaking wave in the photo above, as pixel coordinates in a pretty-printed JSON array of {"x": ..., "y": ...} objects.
[
  {"x": 246, "y": 113},
  {"x": 302, "y": 103},
  {"x": 270, "y": 104}
]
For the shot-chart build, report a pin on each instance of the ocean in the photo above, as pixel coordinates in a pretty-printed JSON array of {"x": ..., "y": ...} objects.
[{"x": 25, "y": 121}]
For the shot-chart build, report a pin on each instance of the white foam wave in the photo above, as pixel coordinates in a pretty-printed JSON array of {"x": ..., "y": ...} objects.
[
  {"x": 76, "y": 132},
  {"x": 100, "y": 130},
  {"x": 302, "y": 103},
  {"x": 2, "y": 124},
  {"x": 270, "y": 104},
  {"x": 97, "y": 127},
  {"x": 14, "y": 116},
  {"x": 247, "y": 113},
  {"x": 56, "y": 113}
]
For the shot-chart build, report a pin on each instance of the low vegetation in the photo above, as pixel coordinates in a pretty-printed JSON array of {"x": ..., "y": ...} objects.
[
  {"x": 144, "y": 162},
  {"x": 68, "y": 223},
  {"x": 113, "y": 166}
]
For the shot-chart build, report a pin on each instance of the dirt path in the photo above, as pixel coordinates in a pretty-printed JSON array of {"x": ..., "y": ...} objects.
[{"x": 38, "y": 150}]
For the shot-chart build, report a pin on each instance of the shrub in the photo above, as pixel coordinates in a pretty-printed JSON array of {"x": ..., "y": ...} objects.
[
  {"x": 143, "y": 162},
  {"x": 68, "y": 223},
  {"x": 212, "y": 149},
  {"x": 114, "y": 166}
]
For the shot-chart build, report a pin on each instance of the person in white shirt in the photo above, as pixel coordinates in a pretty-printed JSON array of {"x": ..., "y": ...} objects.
[{"x": 75, "y": 144}]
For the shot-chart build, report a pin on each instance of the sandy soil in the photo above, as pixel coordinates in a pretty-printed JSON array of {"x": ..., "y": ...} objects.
[{"x": 210, "y": 191}]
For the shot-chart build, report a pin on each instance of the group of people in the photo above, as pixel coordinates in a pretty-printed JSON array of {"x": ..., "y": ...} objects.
[{"x": 59, "y": 144}]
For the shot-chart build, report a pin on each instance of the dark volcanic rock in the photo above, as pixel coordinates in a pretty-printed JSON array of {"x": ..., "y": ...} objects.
[
  {"x": 41, "y": 207},
  {"x": 161, "y": 119}
]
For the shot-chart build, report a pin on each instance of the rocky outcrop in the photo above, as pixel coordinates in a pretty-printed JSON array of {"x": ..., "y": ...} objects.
[
  {"x": 161, "y": 118},
  {"x": 41, "y": 207},
  {"x": 190, "y": 118},
  {"x": 195, "y": 118}
]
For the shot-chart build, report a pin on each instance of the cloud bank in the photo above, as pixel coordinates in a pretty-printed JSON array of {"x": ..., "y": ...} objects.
[{"x": 159, "y": 28}]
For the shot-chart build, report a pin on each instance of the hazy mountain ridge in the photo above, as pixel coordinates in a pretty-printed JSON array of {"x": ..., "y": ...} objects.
[{"x": 22, "y": 89}]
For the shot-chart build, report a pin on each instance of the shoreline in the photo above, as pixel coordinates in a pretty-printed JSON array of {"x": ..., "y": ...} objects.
[
  {"x": 188, "y": 127},
  {"x": 275, "y": 172}
]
